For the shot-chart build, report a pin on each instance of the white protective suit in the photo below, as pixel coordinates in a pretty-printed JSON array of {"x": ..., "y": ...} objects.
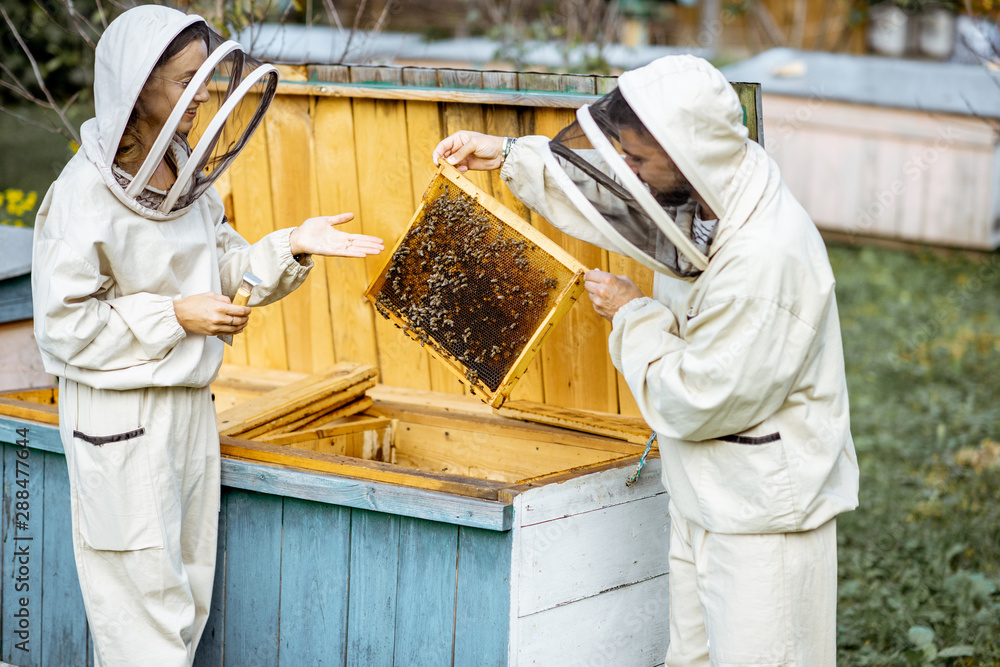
[
  {"x": 136, "y": 414},
  {"x": 740, "y": 372}
]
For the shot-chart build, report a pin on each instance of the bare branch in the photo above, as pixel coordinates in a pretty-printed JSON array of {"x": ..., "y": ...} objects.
[
  {"x": 354, "y": 29},
  {"x": 38, "y": 75},
  {"x": 29, "y": 121}
]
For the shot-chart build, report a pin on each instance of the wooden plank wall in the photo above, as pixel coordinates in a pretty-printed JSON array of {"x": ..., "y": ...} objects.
[
  {"x": 329, "y": 153},
  {"x": 306, "y": 583}
]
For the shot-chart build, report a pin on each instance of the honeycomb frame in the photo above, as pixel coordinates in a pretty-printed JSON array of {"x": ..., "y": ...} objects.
[{"x": 518, "y": 242}]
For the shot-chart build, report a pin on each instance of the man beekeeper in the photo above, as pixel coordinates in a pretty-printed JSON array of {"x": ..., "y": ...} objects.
[
  {"x": 736, "y": 361},
  {"x": 134, "y": 267}
]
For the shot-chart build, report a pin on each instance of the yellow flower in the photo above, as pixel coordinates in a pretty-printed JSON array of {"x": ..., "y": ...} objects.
[{"x": 14, "y": 198}]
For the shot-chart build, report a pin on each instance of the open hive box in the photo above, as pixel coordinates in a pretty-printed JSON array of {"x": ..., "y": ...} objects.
[
  {"x": 475, "y": 284},
  {"x": 515, "y": 542}
]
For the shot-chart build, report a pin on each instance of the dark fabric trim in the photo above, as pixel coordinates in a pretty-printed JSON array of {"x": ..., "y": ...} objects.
[
  {"x": 104, "y": 439},
  {"x": 747, "y": 440}
]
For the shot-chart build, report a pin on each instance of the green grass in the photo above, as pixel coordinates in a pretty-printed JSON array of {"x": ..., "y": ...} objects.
[{"x": 920, "y": 558}]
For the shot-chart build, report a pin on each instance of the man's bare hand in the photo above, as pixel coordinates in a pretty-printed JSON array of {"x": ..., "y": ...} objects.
[
  {"x": 210, "y": 314},
  {"x": 609, "y": 292},
  {"x": 317, "y": 236},
  {"x": 466, "y": 150}
]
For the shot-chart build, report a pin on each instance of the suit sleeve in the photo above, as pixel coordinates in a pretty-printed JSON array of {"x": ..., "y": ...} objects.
[
  {"x": 270, "y": 259},
  {"x": 75, "y": 325},
  {"x": 733, "y": 369}
]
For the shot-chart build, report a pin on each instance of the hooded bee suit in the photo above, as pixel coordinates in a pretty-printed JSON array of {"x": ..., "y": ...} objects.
[
  {"x": 736, "y": 362},
  {"x": 136, "y": 414}
]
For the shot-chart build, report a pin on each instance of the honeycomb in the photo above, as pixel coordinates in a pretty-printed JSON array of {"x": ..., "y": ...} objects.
[{"x": 477, "y": 291}]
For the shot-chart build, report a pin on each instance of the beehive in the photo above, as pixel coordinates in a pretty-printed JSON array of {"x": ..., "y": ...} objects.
[{"x": 475, "y": 284}]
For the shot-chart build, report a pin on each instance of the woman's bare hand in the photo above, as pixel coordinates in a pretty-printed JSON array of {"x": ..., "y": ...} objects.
[
  {"x": 467, "y": 150},
  {"x": 210, "y": 314},
  {"x": 317, "y": 236}
]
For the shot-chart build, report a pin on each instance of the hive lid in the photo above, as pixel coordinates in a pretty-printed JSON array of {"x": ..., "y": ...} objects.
[{"x": 476, "y": 285}]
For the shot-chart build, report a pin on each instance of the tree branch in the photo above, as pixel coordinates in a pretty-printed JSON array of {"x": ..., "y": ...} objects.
[{"x": 38, "y": 76}]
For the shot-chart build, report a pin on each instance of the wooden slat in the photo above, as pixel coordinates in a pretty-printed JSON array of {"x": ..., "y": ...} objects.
[
  {"x": 293, "y": 397},
  {"x": 63, "y": 619},
  {"x": 359, "y": 425},
  {"x": 381, "y": 91},
  {"x": 565, "y": 83},
  {"x": 315, "y": 567},
  {"x": 492, "y": 425},
  {"x": 254, "y": 218},
  {"x": 306, "y": 311},
  {"x": 425, "y": 593},
  {"x": 424, "y": 77},
  {"x": 337, "y": 191},
  {"x": 482, "y": 620},
  {"x": 210, "y": 648},
  {"x": 253, "y": 578},
  {"x": 330, "y": 73},
  {"x": 39, "y": 412},
  {"x": 609, "y": 548},
  {"x": 376, "y": 74},
  {"x": 344, "y": 403},
  {"x": 380, "y": 135},
  {"x": 43, "y": 437},
  {"x": 495, "y": 457},
  {"x": 366, "y": 494},
  {"x": 643, "y": 278},
  {"x": 628, "y": 626},
  {"x": 597, "y": 490},
  {"x": 32, "y": 472},
  {"x": 582, "y": 334},
  {"x": 371, "y": 616},
  {"x": 600, "y": 423},
  {"x": 466, "y": 117},
  {"x": 373, "y": 471},
  {"x": 500, "y": 80},
  {"x": 44, "y": 396}
]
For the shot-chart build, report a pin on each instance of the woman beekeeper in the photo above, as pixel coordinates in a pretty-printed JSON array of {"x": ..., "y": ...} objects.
[
  {"x": 134, "y": 267},
  {"x": 736, "y": 363}
]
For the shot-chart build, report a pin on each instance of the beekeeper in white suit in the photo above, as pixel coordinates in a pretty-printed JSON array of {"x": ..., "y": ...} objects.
[
  {"x": 736, "y": 362},
  {"x": 134, "y": 268}
]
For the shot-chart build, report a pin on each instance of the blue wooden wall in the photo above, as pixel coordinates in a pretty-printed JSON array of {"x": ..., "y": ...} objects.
[{"x": 297, "y": 583}]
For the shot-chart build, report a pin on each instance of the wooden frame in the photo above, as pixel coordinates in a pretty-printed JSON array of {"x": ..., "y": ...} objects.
[{"x": 562, "y": 303}]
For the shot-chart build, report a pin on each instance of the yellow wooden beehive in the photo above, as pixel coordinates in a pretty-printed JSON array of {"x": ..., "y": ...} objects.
[{"x": 475, "y": 284}]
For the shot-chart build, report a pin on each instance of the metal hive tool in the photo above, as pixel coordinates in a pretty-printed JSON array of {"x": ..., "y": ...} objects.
[{"x": 476, "y": 285}]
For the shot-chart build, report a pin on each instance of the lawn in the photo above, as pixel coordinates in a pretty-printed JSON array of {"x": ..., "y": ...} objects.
[{"x": 920, "y": 558}]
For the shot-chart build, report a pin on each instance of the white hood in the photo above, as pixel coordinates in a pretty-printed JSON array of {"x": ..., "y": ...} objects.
[
  {"x": 701, "y": 128},
  {"x": 126, "y": 57}
]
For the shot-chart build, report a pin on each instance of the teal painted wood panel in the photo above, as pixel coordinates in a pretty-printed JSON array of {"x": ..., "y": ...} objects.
[
  {"x": 64, "y": 618},
  {"x": 425, "y": 593},
  {"x": 315, "y": 566},
  {"x": 371, "y": 616},
  {"x": 210, "y": 648},
  {"x": 253, "y": 570},
  {"x": 362, "y": 494},
  {"x": 43, "y": 436},
  {"x": 22, "y": 557},
  {"x": 482, "y": 627}
]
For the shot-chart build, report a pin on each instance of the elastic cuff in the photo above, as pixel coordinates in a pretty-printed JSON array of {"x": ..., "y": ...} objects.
[
  {"x": 300, "y": 262},
  {"x": 631, "y": 306}
]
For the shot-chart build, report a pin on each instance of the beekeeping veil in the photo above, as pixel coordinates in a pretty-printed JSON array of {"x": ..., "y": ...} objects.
[
  {"x": 688, "y": 109},
  {"x": 240, "y": 88}
]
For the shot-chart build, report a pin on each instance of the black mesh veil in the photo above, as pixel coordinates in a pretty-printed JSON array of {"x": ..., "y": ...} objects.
[
  {"x": 623, "y": 209},
  {"x": 240, "y": 90}
]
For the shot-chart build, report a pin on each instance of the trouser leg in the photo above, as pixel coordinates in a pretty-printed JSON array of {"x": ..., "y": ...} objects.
[
  {"x": 145, "y": 518},
  {"x": 769, "y": 600},
  {"x": 688, "y": 637}
]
